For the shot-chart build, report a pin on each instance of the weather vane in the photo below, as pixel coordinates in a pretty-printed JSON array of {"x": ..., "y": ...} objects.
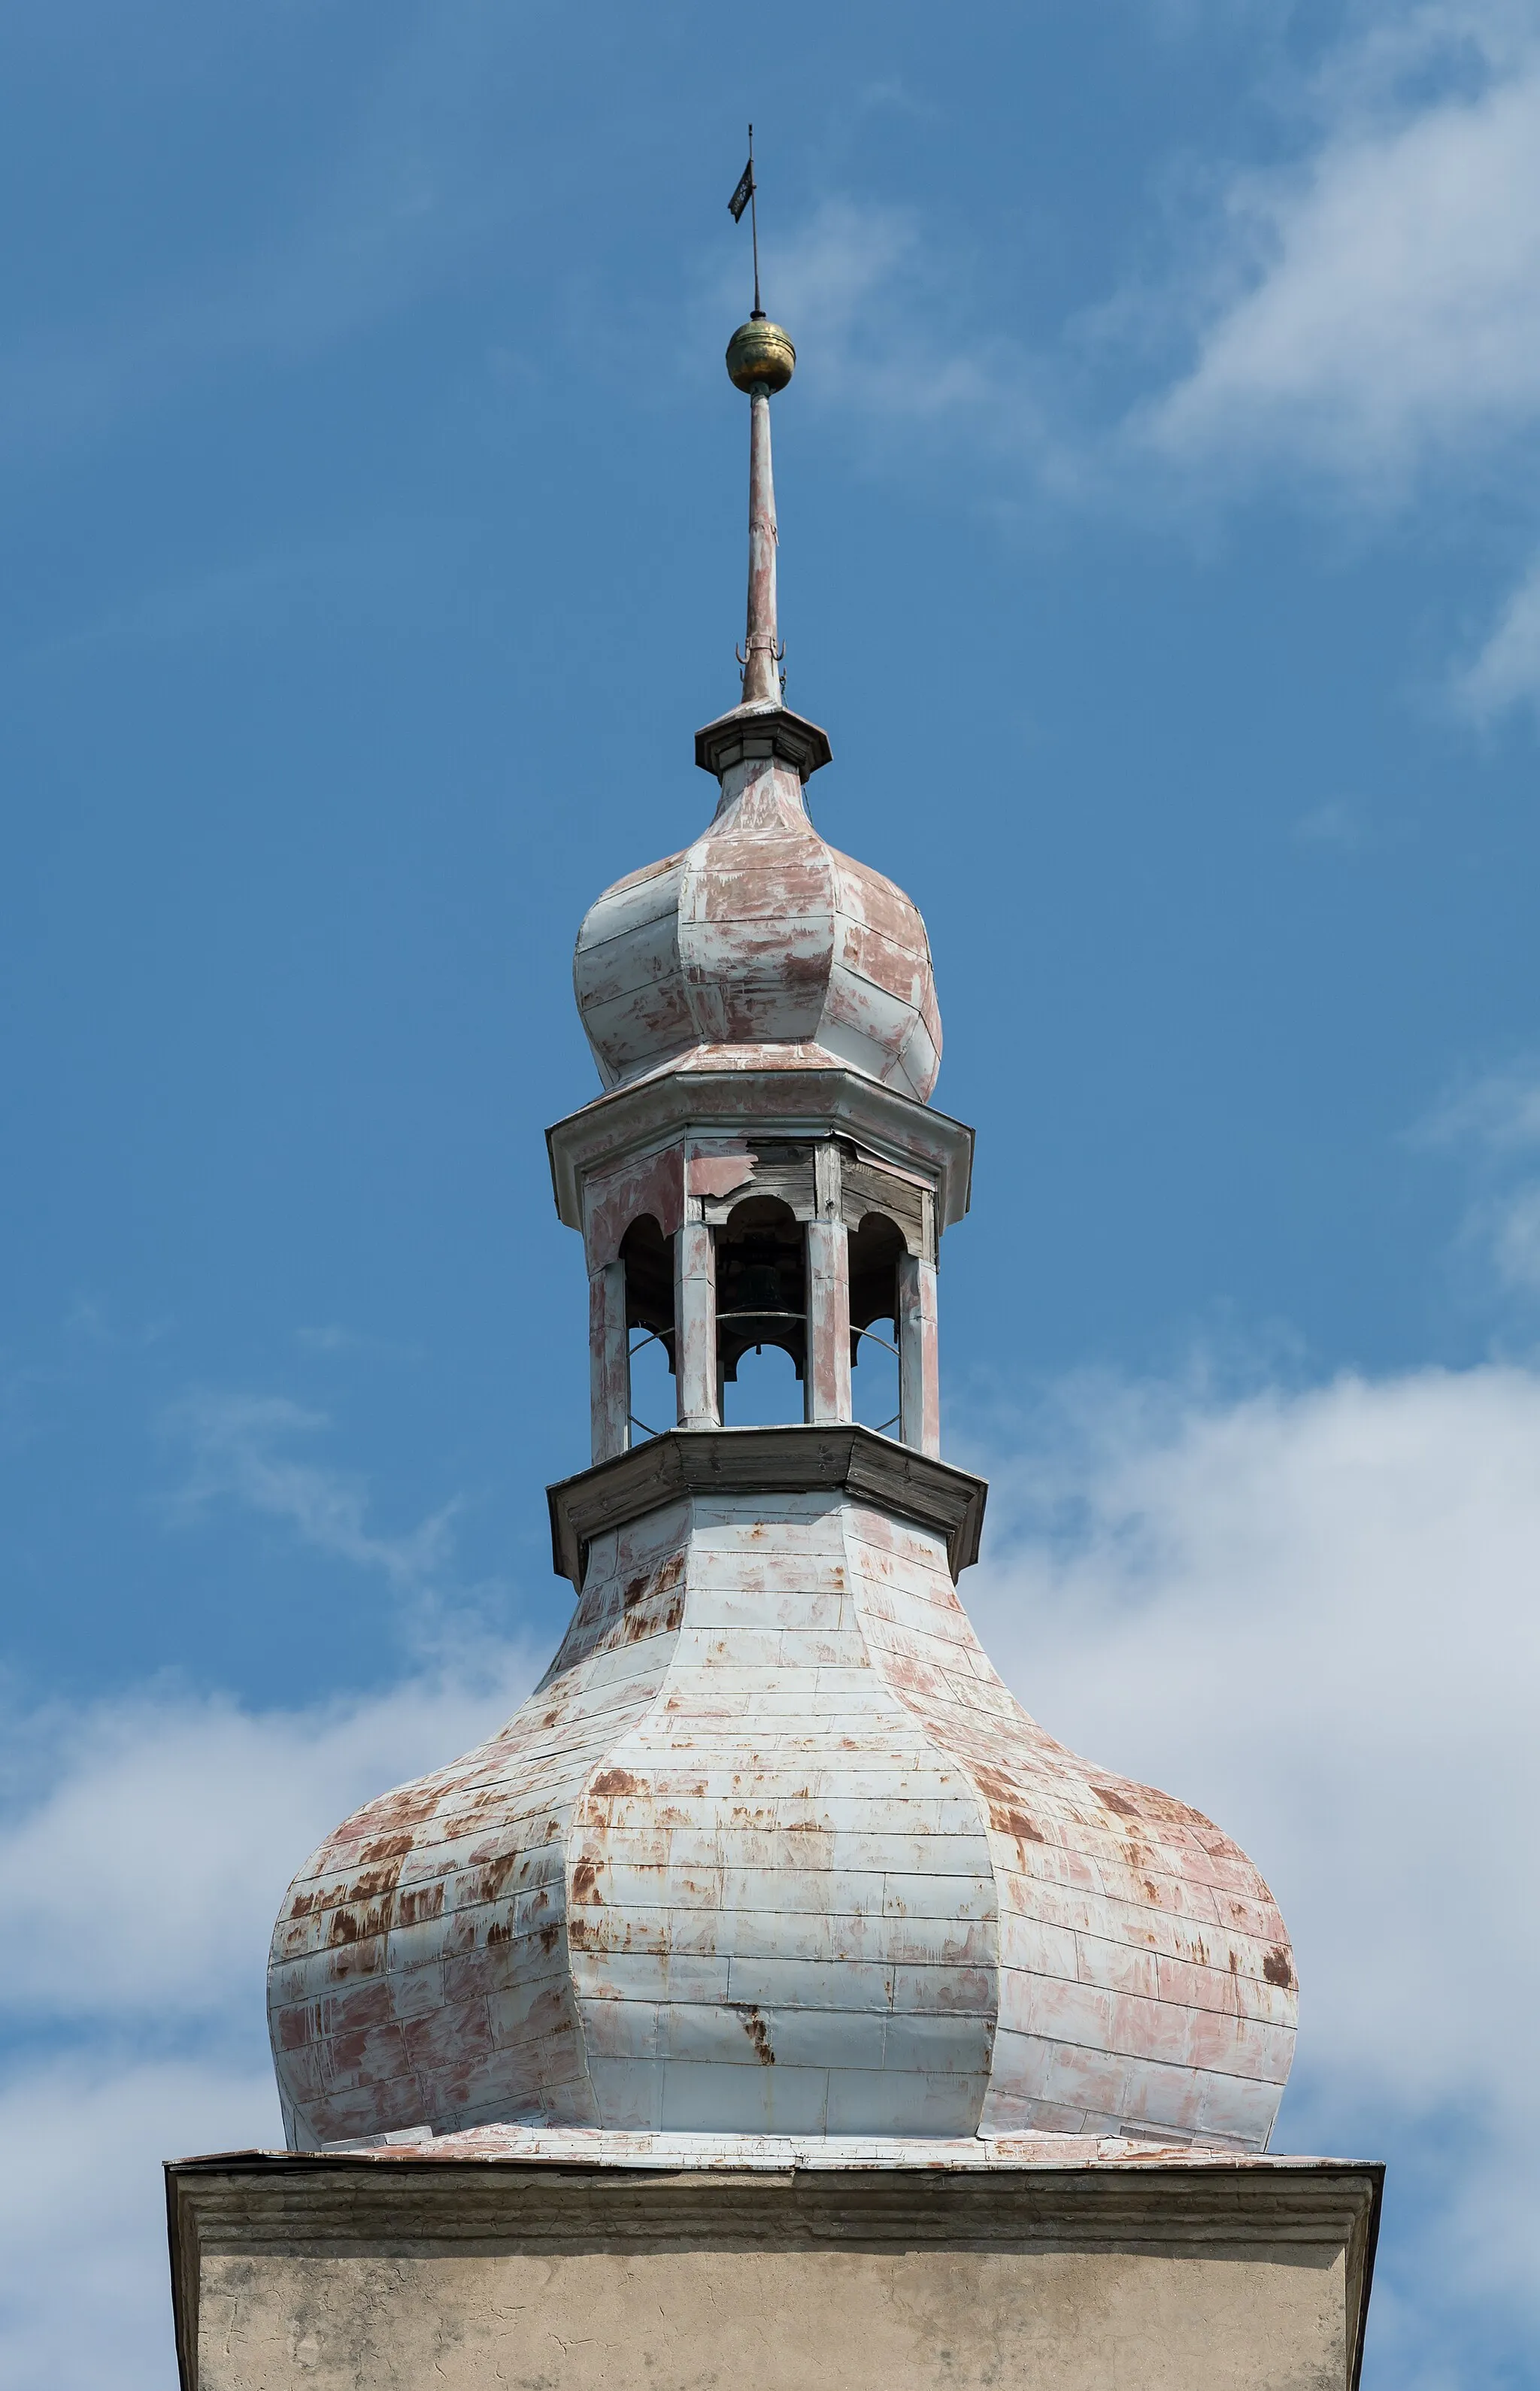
[{"x": 744, "y": 198}]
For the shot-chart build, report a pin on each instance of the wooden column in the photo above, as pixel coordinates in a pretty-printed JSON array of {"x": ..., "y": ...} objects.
[
  {"x": 919, "y": 1368},
  {"x": 608, "y": 1362},
  {"x": 695, "y": 1325},
  {"x": 825, "y": 1382}
]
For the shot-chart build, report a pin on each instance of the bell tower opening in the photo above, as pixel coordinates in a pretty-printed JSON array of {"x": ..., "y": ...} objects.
[
  {"x": 877, "y": 1249},
  {"x": 647, "y": 1257},
  {"x": 761, "y": 1314}
]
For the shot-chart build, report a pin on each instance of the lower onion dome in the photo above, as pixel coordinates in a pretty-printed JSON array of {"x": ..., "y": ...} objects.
[{"x": 772, "y": 1849}]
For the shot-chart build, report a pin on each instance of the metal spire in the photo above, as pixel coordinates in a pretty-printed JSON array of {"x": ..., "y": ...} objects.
[{"x": 761, "y": 359}]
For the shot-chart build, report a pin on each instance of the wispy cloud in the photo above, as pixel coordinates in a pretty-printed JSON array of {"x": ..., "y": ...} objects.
[
  {"x": 242, "y": 1450},
  {"x": 1340, "y": 822},
  {"x": 1505, "y": 671},
  {"x": 881, "y": 311},
  {"x": 333, "y": 1337},
  {"x": 1498, "y": 1111},
  {"x": 1492, "y": 1123},
  {"x": 1364, "y": 320}
]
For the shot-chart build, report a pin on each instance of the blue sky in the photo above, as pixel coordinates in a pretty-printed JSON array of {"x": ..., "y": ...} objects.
[{"x": 1160, "y": 499}]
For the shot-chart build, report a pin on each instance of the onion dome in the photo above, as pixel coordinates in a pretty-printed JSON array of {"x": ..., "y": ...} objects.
[
  {"x": 772, "y": 1849},
  {"x": 760, "y": 935}
]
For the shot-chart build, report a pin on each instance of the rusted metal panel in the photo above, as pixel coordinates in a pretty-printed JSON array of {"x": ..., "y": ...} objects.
[
  {"x": 780, "y": 1169},
  {"x": 1088, "y": 2029},
  {"x": 720, "y": 1171}
]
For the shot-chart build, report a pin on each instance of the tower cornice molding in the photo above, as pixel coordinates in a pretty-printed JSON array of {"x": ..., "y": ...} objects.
[
  {"x": 795, "y": 1100},
  {"x": 846, "y": 1459},
  {"x": 752, "y": 731}
]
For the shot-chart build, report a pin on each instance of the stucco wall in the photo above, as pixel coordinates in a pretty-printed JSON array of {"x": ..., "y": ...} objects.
[{"x": 778, "y": 2320}]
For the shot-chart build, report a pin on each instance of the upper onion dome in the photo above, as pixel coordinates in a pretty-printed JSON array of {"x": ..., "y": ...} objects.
[{"x": 760, "y": 935}]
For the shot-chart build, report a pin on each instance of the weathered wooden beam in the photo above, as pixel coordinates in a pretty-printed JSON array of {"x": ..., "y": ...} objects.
[
  {"x": 919, "y": 1358},
  {"x": 695, "y": 1325},
  {"x": 827, "y": 1388}
]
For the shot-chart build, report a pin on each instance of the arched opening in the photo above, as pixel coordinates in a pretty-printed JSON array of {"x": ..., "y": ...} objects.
[
  {"x": 648, "y": 1259},
  {"x": 761, "y": 1312},
  {"x": 876, "y": 1249}
]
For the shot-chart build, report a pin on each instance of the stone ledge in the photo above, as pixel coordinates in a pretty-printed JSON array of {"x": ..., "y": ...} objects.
[{"x": 851, "y": 1460}]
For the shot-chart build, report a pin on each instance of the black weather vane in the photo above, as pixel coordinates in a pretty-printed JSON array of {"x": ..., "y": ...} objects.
[{"x": 744, "y": 198}]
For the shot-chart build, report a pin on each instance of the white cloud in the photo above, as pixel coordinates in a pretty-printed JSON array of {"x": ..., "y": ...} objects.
[
  {"x": 1392, "y": 312},
  {"x": 84, "y": 2279},
  {"x": 1313, "y": 1615},
  {"x": 174, "y": 1827},
  {"x": 240, "y": 1450}
]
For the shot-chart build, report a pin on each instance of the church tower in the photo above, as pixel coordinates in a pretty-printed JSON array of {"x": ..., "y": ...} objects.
[{"x": 771, "y": 1850}]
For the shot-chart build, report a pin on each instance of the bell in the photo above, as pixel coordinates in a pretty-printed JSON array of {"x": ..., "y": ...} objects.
[{"x": 761, "y": 1288}]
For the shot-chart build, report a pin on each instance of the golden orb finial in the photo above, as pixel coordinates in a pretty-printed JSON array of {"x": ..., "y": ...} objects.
[{"x": 760, "y": 352}]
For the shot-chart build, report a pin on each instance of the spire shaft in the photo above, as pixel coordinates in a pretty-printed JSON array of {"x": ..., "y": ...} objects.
[{"x": 762, "y": 647}]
